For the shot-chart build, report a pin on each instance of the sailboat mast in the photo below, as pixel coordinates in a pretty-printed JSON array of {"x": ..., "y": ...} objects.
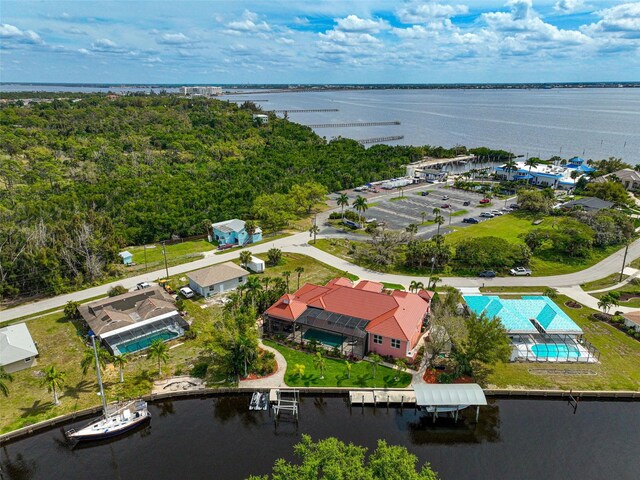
[{"x": 95, "y": 353}]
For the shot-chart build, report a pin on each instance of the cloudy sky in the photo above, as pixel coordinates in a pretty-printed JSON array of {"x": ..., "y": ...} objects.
[{"x": 320, "y": 41}]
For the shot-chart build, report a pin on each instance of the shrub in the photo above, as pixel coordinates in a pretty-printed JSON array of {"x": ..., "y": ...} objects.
[
  {"x": 199, "y": 370},
  {"x": 117, "y": 290},
  {"x": 445, "y": 377},
  {"x": 190, "y": 334}
]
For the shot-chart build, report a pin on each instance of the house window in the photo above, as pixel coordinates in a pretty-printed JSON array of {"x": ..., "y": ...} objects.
[
  {"x": 240, "y": 280},
  {"x": 377, "y": 339},
  {"x": 27, "y": 360},
  {"x": 395, "y": 343}
]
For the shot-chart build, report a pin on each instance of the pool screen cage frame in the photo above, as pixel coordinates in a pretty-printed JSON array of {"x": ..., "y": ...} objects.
[
  {"x": 173, "y": 323},
  {"x": 350, "y": 329},
  {"x": 556, "y": 339}
]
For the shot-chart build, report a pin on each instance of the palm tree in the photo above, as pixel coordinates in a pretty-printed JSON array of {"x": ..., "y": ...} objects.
[
  {"x": 604, "y": 303},
  {"x": 510, "y": 166},
  {"x": 298, "y": 370},
  {"x": 4, "y": 377},
  {"x": 347, "y": 364},
  {"x": 414, "y": 286},
  {"x": 253, "y": 286},
  {"x": 423, "y": 215},
  {"x": 120, "y": 361},
  {"x": 320, "y": 363},
  {"x": 159, "y": 351},
  {"x": 313, "y": 231},
  {"x": 360, "y": 204},
  {"x": 401, "y": 364},
  {"x": 250, "y": 227},
  {"x": 89, "y": 361},
  {"x": 439, "y": 219},
  {"x": 266, "y": 281},
  {"x": 299, "y": 271},
  {"x": 412, "y": 229},
  {"x": 375, "y": 360},
  {"x": 343, "y": 201},
  {"x": 432, "y": 282},
  {"x": 532, "y": 163},
  {"x": 247, "y": 350},
  {"x": 245, "y": 257},
  {"x": 53, "y": 379},
  {"x": 286, "y": 274}
]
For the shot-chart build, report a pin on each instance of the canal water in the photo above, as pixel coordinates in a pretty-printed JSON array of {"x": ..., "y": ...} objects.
[{"x": 219, "y": 438}]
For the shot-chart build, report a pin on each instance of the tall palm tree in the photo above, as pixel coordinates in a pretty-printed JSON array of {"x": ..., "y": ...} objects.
[
  {"x": 532, "y": 163},
  {"x": 423, "y": 215},
  {"x": 360, "y": 204},
  {"x": 510, "y": 166},
  {"x": 401, "y": 364},
  {"x": 250, "y": 227},
  {"x": 120, "y": 361},
  {"x": 412, "y": 229},
  {"x": 286, "y": 274},
  {"x": 313, "y": 231},
  {"x": 89, "y": 361},
  {"x": 347, "y": 364},
  {"x": 320, "y": 363},
  {"x": 253, "y": 286},
  {"x": 247, "y": 351},
  {"x": 245, "y": 257},
  {"x": 343, "y": 201},
  {"x": 159, "y": 351},
  {"x": 53, "y": 379},
  {"x": 266, "y": 281},
  {"x": 4, "y": 377},
  {"x": 438, "y": 220},
  {"x": 433, "y": 280},
  {"x": 414, "y": 286},
  {"x": 299, "y": 271}
]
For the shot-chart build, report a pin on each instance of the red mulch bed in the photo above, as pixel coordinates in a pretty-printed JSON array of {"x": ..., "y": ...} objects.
[
  {"x": 572, "y": 304},
  {"x": 431, "y": 376},
  {"x": 628, "y": 296}
]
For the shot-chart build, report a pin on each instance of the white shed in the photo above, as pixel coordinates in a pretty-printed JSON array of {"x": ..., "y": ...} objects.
[
  {"x": 256, "y": 265},
  {"x": 17, "y": 349}
]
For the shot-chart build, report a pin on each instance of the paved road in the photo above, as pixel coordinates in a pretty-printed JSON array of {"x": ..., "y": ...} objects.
[{"x": 298, "y": 244}]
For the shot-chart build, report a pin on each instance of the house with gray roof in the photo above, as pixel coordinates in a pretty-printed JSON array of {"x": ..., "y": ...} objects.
[
  {"x": 130, "y": 322},
  {"x": 217, "y": 279},
  {"x": 17, "y": 349},
  {"x": 233, "y": 232},
  {"x": 628, "y": 177},
  {"x": 589, "y": 204}
]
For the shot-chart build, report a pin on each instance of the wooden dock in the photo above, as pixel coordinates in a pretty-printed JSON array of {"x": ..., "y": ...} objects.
[
  {"x": 380, "y": 139},
  {"x": 355, "y": 124},
  {"x": 382, "y": 397}
]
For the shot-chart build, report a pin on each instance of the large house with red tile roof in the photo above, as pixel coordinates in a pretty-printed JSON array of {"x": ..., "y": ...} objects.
[{"x": 356, "y": 319}]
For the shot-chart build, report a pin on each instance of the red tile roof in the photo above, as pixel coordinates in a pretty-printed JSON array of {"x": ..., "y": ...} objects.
[
  {"x": 370, "y": 286},
  {"x": 398, "y": 315}
]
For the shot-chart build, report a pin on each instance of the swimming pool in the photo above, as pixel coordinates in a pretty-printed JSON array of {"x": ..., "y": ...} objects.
[
  {"x": 552, "y": 351},
  {"x": 144, "y": 342},
  {"x": 323, "y": 337}
]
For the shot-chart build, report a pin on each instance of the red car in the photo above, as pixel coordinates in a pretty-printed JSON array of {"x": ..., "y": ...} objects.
[
  {"x": 445, "y": 205},
  {"x": 226, "y": 246},
  {"x": 485, "y": 200}
]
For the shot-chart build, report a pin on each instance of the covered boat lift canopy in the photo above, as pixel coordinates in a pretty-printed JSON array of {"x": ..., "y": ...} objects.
[{"x": 449, "y": 397}]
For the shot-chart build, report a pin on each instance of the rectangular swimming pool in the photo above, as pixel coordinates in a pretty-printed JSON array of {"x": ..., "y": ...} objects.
[
  {"x": 323, "y": 337},
  {"x": 144, "y": 342},
  {"x": 552, "y": 351}
]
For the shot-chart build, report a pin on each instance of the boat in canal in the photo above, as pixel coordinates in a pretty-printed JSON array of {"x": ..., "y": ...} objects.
[{"x": 115, "y": 420}]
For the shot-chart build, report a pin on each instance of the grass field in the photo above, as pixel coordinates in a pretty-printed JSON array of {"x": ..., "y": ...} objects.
[
  {"x": 154, "y": 252},
  {"x": 618, "y": 369},
  {"x": 606, "y": 282},
  {"x": 393, "y": 286},
  {"x": 335, "y": 373},
  {"x": 60, "y": 344},
  {"x": 631, "y": 288}
]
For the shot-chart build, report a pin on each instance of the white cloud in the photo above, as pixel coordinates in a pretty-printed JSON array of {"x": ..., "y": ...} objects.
[
  {"x": 174, "y": 39},
  {"x": 428, "y": 12},
  {"x": 285, "y": 41},
  {"x": 13, "y": 33},
  {"x": 353, "y": 23},
  {"x": 568, "y": 6},
  {"x": 105, "y": 45},
  {"x": 623, "y": 18},
  {"x": 247, "y": 23},
  {"x": 349, "y": 39}
]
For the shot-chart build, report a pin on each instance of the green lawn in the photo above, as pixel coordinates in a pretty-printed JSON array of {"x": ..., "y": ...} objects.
[
  {"x": 59, "y": 344},
  {"x": 508, "y": 227},
  {"x": 632, "y": 288},
  {"x": 393, "y": 286},
  {"x": 335, "y": 374},
  {"x": 154, "y": 252},
  {"x": 606, "y": 282},
  {"x": 459, "y": 213},
  {"x": 618, "y": 369}
]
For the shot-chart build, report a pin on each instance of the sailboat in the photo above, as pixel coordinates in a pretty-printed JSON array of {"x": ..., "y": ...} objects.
[{"x": 114, "y": 421}]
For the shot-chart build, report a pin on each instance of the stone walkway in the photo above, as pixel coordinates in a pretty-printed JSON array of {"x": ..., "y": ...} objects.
[{"x": 275, "y": 380}]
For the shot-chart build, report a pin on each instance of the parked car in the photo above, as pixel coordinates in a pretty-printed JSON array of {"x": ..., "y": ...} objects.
[
  {"x": 186, "y": 292},
  {"x": 424, "y": 194},
  {"x": 520, "y": 272},
  {"x": 487, "y": 274},
  {"x": 496, "y": 212},
  {"x": 445, "y": 205},
  {"x": 466, "y": 203},
  {"x": 142, "y": 285},
  {"x": 487, "y": 215},
  {"x": 226, "y": 246},
  {"x": 485, "y": 200},
  {"x": 445, "y": 197},
  {"x": 506, "y": 210},
  {"x": 470, "y": 220},
  {"x": 514, "y": 206}
]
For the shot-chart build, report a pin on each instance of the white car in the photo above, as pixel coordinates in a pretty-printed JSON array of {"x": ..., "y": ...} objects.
[
  {"x": 187, "y": 292},
  {"x": 487, "y": 215},
  {"x": 496, "y": 212},
  {"x": 520, "y": 272},
  {"x": 143, "y": 285}
]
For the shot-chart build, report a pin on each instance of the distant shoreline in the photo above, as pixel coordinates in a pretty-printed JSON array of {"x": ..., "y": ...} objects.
[{"x": 273, "y": 88}]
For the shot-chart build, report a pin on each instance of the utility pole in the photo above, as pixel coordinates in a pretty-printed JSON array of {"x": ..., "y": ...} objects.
[
  {"x": 164, "y": 252},
  {"x": 624, "y": 261}
]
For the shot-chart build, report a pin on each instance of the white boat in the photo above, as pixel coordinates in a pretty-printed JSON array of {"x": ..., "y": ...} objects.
[{"x": 119, "y": 420}]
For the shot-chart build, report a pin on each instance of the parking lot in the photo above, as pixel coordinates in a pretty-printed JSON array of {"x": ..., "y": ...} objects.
[{"x": 397, "y": 214}]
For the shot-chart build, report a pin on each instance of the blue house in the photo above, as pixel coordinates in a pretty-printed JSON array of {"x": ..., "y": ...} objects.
[
  {"x": 579, "y": 164},
  {"x": 127, "y": 257},
  {"x": 234, "y": 232}
]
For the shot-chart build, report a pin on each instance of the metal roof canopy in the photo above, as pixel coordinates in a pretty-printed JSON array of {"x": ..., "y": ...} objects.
[
  {"x": 333, "y": 322},
  {"x": 435, "y": 395}
]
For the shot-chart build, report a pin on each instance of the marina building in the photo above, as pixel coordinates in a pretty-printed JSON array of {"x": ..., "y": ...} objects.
[{"x": 542, "y": 175}]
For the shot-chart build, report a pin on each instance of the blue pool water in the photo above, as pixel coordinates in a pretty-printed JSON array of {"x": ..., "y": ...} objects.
[
  {"x": 550, "y": 350},
  {"x": 143, "y": 342},
  {"x": 323, "y": 337}
]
